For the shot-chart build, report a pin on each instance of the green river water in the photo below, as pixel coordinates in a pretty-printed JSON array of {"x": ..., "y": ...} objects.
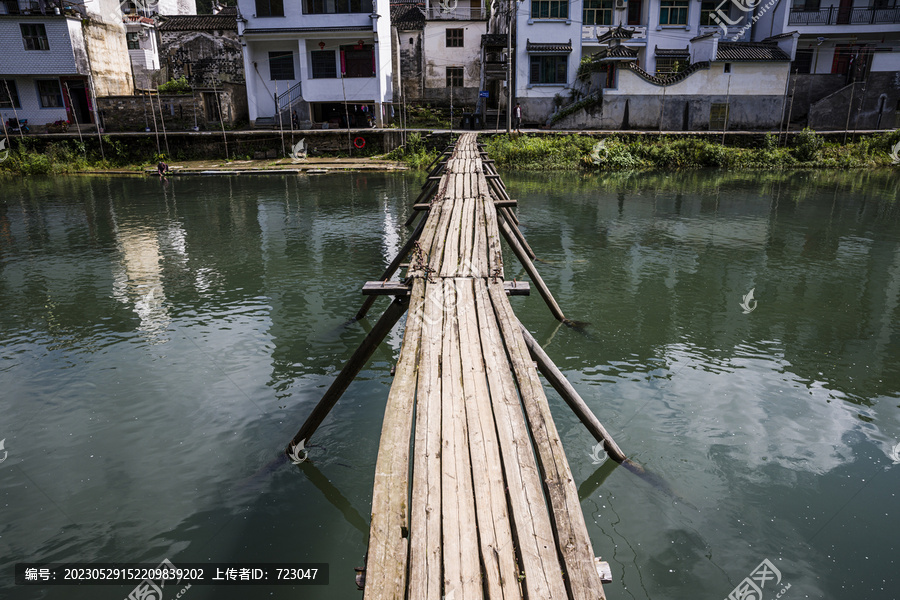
[{"x": 161, "y": 342}]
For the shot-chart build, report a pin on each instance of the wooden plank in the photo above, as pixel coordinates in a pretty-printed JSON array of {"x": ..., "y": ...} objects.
[
  {"x": 425, "y": 560},
  {"x": 494, "y": 532},
  {"x": 531, "y": 526},
  {"x": 388, "y": 542},
  {"x": 603, "y": 570},
  {"x": 466, "y": 239},
  {"x": 397, "y": 288},
  {"x": 450, "y": 260},
  {"x": 495, "y": 254},
  {"x": 573, "y": 542},
  {"x": 385, "y": 288},
  {"x": 479, "y": 255},
  {"x": 462, "y": 568}
]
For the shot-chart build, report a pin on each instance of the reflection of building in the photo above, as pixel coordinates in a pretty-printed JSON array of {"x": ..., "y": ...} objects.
[
  {"x": 57, "y": 57},
  {"x": 139, "y": 282},
  {"x": 329, "y": 60}
]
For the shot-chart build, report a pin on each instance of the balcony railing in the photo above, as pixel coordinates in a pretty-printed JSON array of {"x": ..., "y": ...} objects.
[
  {"x": 459, "y": 13},
  {"x": 836, "y": 15}
]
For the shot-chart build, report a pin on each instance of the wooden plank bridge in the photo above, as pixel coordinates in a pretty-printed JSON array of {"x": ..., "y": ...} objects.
[{"x": 473, "y": 495}]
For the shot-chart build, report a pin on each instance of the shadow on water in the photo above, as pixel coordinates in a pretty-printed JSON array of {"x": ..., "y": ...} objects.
[{"x": 593, "y": 482}]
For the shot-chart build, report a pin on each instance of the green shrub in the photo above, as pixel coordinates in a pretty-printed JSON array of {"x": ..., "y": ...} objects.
[
  {"x": 175, "y": 86},
  {"x": 807, "y": 145}
]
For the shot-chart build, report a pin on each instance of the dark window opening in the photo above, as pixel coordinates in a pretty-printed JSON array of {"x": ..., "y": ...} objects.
[
  {"x": 34, "y": 35},
  {"x": 323, "y": 64},
  {"x": 269, "y": 8},
  {"x": 549, "y": 69},
  {"x": 9, "y": 94},
  {"x": 329, "y": 7},
  {"x": 50, "y": 93},
  {"x": 281, "y": 66},
  {"x": 358, "y": 60},
  {"x": 455, "y": 38},
  {"x": 454, "y": 77}
]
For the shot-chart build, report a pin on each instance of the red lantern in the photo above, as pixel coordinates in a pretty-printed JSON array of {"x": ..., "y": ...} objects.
[{"x": 321, "y": 45}]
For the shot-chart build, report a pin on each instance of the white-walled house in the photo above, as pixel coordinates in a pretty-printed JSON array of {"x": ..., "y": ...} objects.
[
  {"x": 835, "y": 42},
  {"x": 452, "y": 51},
  {"x": 142, "y": 36},
  {"x": 848, "y": 53},
  {"x": 324, "y": 59},
  {"x": 55, "y": 60}
]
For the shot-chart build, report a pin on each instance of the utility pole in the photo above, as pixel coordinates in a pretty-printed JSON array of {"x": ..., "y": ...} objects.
[{"x": 509, "y": 24}]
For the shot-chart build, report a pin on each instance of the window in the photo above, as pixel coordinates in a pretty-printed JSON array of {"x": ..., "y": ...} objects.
[
  {"x": 673, "y": 12},
  {"x": 269, "y": 8},
  {"x": 805, "y": 5},
  {"x": 598, "y": 12},
  {"x": 454, "y": 77},
  {"x": 358, "y": 60},
  {"x": 718, "y": 115},
  {"x": 34, "y": 36},
  {"x": 634, "y": 12},
  {"x": 50, "y": 93},
  {"x": 727, "y": 68},
  {"x": 707, "y": 10},
  {"x": 328, "y": 7},
  {"x": 455, "y": 38},
  {"x": 281, "y": 66},
  {"x": 323, "y": 64},
  {"x": 549, "y": 69},
  {"x": 9, "y": 95},
  {"x": 550, "y": 9},
  {"x": 133, "y": 41},
  {"x": 671, "y": 64}
]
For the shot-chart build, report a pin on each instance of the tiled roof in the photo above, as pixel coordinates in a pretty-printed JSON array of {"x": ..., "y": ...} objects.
[
  {"x": 616, "y": 33},
  {"x": 750, "y": 51},
  {"x": 780, "y": 36},
  {"x": 617, "y": 53},
  {"x": 675, "y": 52},
  {"x": 533, "y": 48},
  {"x": 138, "y": 19},
  {"x": 407, "y": 16},
  {"x": 199, "y": 23}
]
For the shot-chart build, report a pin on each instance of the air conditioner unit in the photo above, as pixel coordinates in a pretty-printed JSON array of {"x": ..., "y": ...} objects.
[{"x": 621, "y": 4}]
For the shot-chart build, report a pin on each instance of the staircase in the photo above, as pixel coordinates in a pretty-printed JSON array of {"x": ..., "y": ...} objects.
[{"x": 285, "y": 104}]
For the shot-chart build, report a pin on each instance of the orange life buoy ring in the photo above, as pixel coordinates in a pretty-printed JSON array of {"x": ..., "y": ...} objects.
[{"x": 359, "y": 143}]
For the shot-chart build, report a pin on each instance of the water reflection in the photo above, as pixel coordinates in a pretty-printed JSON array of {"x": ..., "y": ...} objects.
[{"x": 776, "y": 424}]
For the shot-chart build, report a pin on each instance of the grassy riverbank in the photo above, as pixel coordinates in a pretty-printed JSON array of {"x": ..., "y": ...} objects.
[
  {"x": 534, "y": 152},
  {"x": 634, "y": 152}
]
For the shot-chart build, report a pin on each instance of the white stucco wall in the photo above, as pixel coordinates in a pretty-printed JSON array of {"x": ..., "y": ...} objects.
[
  {"x": 886, "y": 61},
  {"x": 747, "y": 79},
  {"x": 438, "y": 56},
  {"x": 62, "y": 32}
]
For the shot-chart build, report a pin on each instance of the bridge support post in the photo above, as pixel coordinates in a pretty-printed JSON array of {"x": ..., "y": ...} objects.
[
  {"x": 572, "y": 398},
  {"x": 351, "y": 370}
]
